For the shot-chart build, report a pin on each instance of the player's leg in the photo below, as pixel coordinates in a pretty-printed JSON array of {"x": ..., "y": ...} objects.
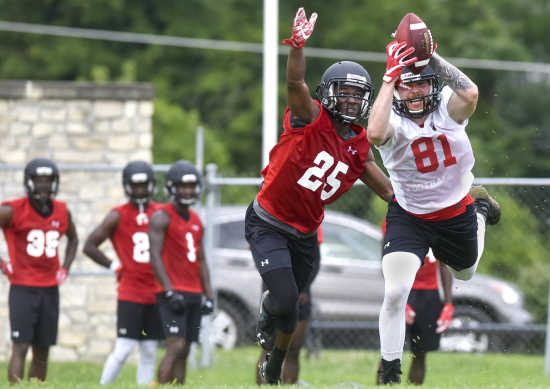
[
  {"x": 45, "y": 334},
  {"x": 175, "y": 349},
  {"x": 16, "y": 366},
  {"x": 39, "y": 363},
  {"x": 418, "y": 368},
  {"x": 116, "y": 359},
  {"x": 151, "y": 334},
  {"x": 192, "y": 326}
]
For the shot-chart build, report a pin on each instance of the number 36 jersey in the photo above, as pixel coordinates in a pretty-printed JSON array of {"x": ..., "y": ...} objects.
[
  {"x": 430, "y": 166},
  {"x": 32, "y": 242},
  {"x": 131, "y": 242},
  {"x": 309, "y": 167}
]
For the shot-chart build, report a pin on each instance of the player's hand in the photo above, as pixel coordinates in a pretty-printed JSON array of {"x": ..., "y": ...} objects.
[
  {"x": 61, "y": 275},
  {"x": 398, "y": 54},
  {"x": 7, "y": 269},
  {"x": 445, "y": 318},
  {"x": 207, "y": 306},
  {"x": 410, "y": 314},
  {"x": 116, "y": 268},
  {"x": 176, "y": 301},
  {"x": 301, "y": 29}
]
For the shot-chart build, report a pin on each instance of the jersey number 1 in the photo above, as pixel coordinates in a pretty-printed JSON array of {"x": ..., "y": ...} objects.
[
  {"x": 426, "y": 160},
  {"x": 311, "y": 177}
]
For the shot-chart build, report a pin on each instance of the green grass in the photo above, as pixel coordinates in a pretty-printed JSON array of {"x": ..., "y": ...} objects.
[{"x": 333, "y": 369}]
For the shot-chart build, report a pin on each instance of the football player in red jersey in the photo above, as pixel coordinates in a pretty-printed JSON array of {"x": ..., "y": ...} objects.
[
  {"x": 319, "y": 156},
  {"x": 33, "y": 226},
  {"x": 178, "y": 260},
  {"x": 138, "y": 320}
]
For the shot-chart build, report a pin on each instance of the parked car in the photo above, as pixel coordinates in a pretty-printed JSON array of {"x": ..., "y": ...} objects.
[{"x": 349, "y": 289}]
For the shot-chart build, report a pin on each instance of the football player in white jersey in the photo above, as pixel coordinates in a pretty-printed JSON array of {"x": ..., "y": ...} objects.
[{"x": 419, "y": 129}]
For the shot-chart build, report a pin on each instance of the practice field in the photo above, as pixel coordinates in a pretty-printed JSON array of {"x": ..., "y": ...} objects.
[{"x": 333, "y": 369}]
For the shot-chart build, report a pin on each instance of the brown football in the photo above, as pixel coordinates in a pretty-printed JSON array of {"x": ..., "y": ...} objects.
[{"x": 414, "y": 31}]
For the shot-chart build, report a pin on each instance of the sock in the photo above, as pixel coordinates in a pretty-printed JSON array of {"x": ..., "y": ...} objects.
[
  {"x": 275, "y": 362},
  {"x": 146, "y": 365},
  {"x": 115, "y": 360}
]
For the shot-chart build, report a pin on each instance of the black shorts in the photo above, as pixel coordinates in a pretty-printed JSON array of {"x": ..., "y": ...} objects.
[
  {"x": 34, "y": 313},
  {"x": 273, "y": 248},
  {"x": 184, "y": 325},
  {"x": 428, "y": 306},
  {"x": 453, "y": 241},
  {"x": 138, "y": 321}
]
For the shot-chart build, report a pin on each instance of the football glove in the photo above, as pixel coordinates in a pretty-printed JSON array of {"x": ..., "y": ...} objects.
[
  {"x": 410, "y": 314},
  {"x": 176, "y": 301},
  {"x": 207, "y": 306},
  {"x": 397, "y": 59},
  {"x": 7, "y": 269},
  {"x": 61, "y": 275},
  {"x": 301, "y": 29},
  {"x": 445, "y": 318}
]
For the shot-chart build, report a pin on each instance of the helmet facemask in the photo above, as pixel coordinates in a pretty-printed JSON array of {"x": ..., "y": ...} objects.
[
  {"x": 430, "y": 101},
  {"x": 177, "y": 196},
  {"x": 138, "y": 180},
  {"x": 41, "y": 182},
  {"x": 340, "y": 94}
]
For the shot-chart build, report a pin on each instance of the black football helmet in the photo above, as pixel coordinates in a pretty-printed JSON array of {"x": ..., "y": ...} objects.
[
  {"x": 183, "y": 172},
  {"x": 431, "y": 100},
  {"x": 139, "y": 172},
  {"x": 40, "y": 167},
  {"x": 349, "y": 74}
]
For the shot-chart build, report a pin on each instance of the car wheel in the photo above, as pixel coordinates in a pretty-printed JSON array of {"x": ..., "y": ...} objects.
[
  {"x": 228, "y": 325},
  {"x": 471, "y": 341}
]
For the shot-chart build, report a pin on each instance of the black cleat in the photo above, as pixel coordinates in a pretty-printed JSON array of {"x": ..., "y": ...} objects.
[
  {"x": 485, "y": 204},
  {"x": 391, "y": 372},
  {"x": 265, "y": 330},
  {"x": 266, "y": 377}
]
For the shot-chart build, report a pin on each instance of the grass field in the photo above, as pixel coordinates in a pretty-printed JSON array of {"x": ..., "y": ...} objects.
[{"x": 333, "y": 369}]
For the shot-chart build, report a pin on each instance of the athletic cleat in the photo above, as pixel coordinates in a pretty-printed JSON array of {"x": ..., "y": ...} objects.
[
  {"x": 266, "y": 378},
  {"x": 391, "y": 372},
  {"x": 485, "y": 204},
  {"x": 265, "y": 330}
]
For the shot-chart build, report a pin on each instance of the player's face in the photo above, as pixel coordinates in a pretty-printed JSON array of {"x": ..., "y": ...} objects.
[
  {"x": 41, "y": 196},
  {"x": 415, "y": 90},
  {"x": 140, "y": 192},
  {"x": 349, "y": 99},
  {"x": 186, "y": 191}
]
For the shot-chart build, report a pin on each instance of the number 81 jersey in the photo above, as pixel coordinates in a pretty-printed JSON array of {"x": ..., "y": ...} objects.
[
  {"x": 32, "y": 242},
  {"x": 309, "y": 167}
]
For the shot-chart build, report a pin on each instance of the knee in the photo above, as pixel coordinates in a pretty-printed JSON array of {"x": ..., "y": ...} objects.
[
  {"x": 396, "y": 298},
  {"x": 180, "y": 348},
  {"x": 465, "y": 274},
  {"x": 283, "y": 304}
]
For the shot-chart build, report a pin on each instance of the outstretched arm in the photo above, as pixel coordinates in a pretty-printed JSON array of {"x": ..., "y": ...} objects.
[
  {"x": 301, "y": 104},
  {"x": 463, "y": 102},
  {"x": 375, "y": 178}
]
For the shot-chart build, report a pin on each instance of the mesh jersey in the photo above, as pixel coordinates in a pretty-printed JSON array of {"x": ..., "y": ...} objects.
[
  {"x": 182, "y": 243},
  {"x": 131, "y": 242},
  {"x": 309, "y": 167},
  {"x": 430, "y": 166},
  {"x": 32, "y": 242}
]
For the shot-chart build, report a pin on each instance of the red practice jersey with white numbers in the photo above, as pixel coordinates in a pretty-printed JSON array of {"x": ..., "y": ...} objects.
[
  {"x": 138, "y": 283},
  {"x": 32, "y": 242},
  {"x": 182, "y": 243},
  {"x": 309, "y": 167}
]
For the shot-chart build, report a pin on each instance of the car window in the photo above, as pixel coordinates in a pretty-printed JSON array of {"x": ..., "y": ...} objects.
[
  {"x": 343, "y": 242},
  {"x": 231, "y": 235}
]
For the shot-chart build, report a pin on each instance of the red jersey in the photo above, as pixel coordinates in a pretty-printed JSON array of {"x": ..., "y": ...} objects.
[
  {"x": 32, "y": 242},
  {"x": 138, "y": 283},
  {"x": 182, "y": 243},
  {"x": 426, "y": 277},
  {"x": 309, "y": 167}
]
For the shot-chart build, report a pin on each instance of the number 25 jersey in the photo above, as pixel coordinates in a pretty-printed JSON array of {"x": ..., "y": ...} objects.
[
  {"x": 131, "y": 243},
  {"x": 309, "y": 167},
  {"x": 32, "y": 242}
]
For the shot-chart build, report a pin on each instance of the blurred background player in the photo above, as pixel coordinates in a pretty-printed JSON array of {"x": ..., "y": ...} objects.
[
  {"x": 291, "y": 365},
  {"x": 138, "y": 320},
  {"x": 420, "y": 131},
  {"x": 319, "y": 156},
  {"x": 33, "y": 226},
  {"x": 426, "y": 316},
  {"x": 177, "y": 257}
]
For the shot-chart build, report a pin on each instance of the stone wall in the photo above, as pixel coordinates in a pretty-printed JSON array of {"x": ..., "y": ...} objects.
[{"x": 91, "y": 131}]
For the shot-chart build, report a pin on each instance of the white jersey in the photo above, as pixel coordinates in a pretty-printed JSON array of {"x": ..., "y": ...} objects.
[{"x": 430, "y": 166}]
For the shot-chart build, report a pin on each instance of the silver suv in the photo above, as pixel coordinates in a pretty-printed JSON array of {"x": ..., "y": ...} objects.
[{"x": 349, "y": 289}]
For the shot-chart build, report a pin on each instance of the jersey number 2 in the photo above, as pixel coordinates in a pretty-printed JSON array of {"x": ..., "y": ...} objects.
[
  {"x": 311, "y": 178},
  {"x": 426, "y": 160}
]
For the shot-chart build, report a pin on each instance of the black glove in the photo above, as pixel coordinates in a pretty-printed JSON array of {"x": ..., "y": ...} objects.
[
  {"x": 175, "y": 301},
  {"x": 207, "y": 306}
]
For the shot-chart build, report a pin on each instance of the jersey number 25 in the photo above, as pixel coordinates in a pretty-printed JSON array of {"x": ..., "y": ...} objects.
[{"x": 311, "y": 179}]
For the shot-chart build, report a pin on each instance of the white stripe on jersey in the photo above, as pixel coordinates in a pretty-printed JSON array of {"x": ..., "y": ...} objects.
[{"x": 429, "y": 167}]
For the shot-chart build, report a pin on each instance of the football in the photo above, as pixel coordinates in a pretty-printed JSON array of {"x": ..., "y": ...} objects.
[{"x": 414, "y": 31}]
